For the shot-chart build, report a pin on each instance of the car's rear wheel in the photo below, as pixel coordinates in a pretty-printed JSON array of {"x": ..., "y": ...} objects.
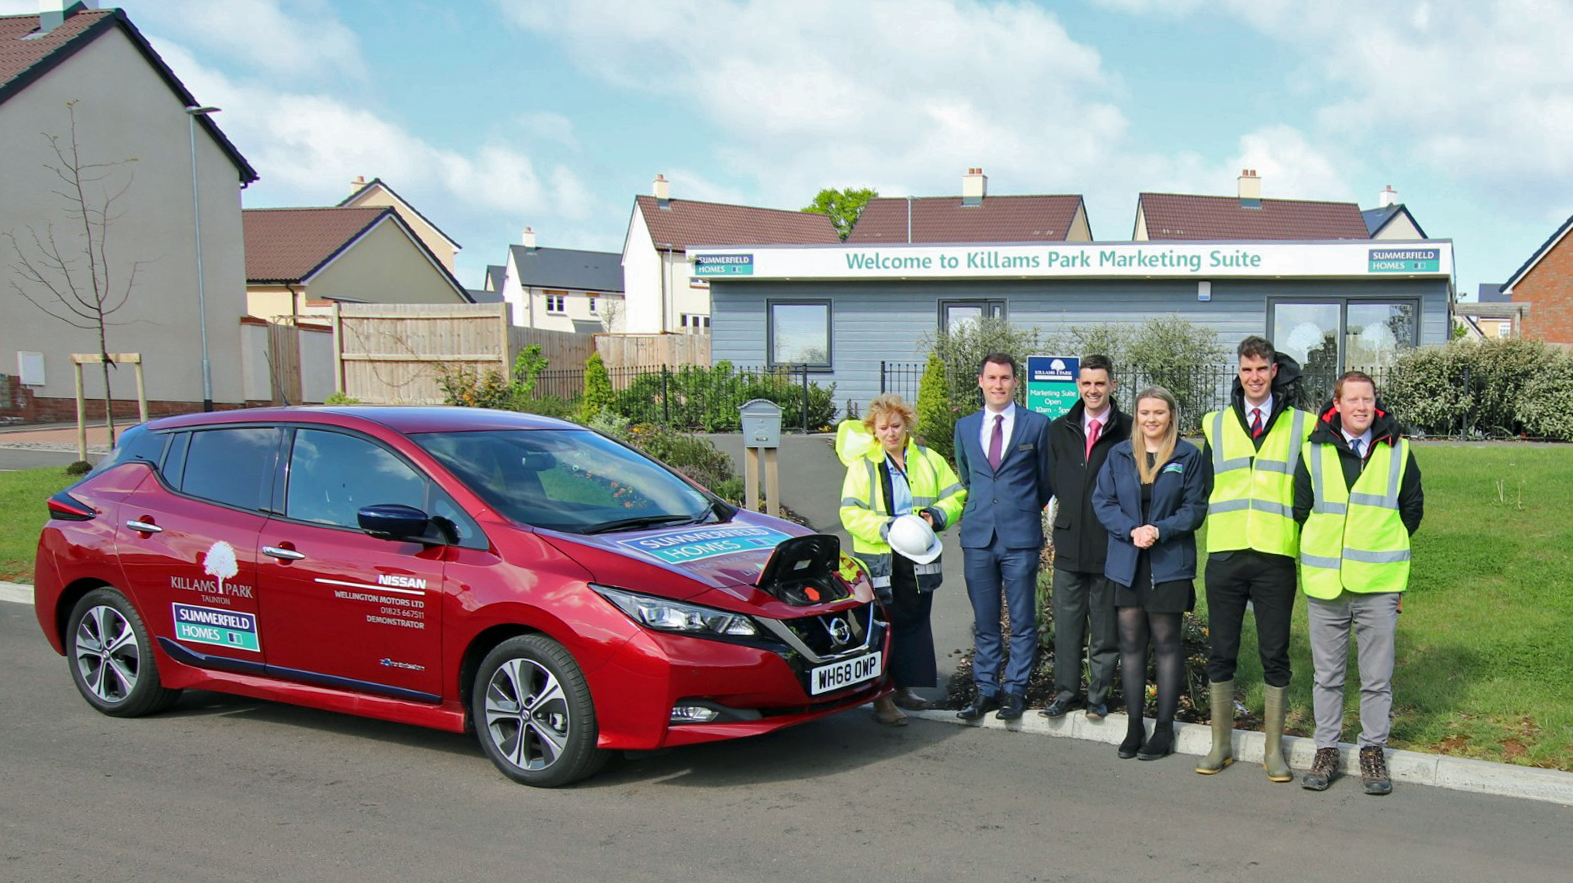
[
  {"x": 111, "y": 657},
  {"x": 533, "y": 713}
]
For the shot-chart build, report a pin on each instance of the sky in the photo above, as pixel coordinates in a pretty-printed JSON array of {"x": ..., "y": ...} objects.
[{"x": 493, "y": 115}]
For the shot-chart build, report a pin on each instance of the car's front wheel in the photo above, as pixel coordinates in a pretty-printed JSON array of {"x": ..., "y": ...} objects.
[
  {"x": 111, "y": 657},
  {"x": 533, "y": 713}
]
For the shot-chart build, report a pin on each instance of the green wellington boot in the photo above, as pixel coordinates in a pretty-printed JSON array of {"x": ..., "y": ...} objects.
[
  {"x": 1276, "y": 702},
  {"x": 1222, "y": 701}
]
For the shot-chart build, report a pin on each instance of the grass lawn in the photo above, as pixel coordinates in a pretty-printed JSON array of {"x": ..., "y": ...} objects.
[
  {"x": 1485, "y": 655},
  {"x": 22, "y": 514}
]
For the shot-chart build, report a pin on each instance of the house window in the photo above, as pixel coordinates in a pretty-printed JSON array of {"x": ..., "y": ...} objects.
[
  {"x": 591, "y": 299},
  {"x": 955, "y": 315},
  {"x": 799, "y": 333},
  {"x": 1329, "y": 337},
  {"x": 556, "y": 302},
  {"x": 694, "y": 322}
]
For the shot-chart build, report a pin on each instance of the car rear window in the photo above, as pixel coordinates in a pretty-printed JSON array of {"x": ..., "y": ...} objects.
[{"x": 233, "y": 465}]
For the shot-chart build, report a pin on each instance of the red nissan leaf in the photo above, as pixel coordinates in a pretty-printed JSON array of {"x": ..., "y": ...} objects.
[{"x": 555, "y": 591}]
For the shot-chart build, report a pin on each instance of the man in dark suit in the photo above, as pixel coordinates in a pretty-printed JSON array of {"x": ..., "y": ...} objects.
[
  {"x": 1002, "y": 456},
  {"x": 1083, "y": 597}
]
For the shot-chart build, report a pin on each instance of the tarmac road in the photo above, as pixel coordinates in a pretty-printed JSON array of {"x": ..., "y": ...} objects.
[{"x": 229, "y": 789}]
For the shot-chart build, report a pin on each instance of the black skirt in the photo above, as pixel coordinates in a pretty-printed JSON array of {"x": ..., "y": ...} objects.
[
  {"x": 911, "y": 662},
  {"x": 1175, "y": 596}
]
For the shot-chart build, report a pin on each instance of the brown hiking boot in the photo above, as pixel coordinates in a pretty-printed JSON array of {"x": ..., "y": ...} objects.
[
  {"x": 1324, "y": 769},
  {"x": 1373, "y": 770}
]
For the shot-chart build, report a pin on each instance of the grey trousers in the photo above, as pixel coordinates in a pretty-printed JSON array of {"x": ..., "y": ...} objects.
[
  {"x": 1374, "y": 619},
  {"x": 1083, "y": 605}
]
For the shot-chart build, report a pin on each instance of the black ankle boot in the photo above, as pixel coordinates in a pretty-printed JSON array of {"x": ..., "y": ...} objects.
[
  {"x": 1133, "y": 739},
  {"x": 1161, "y": 744}
]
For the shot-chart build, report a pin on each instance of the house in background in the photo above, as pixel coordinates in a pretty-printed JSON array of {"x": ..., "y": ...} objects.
[
  {"x": 1545, "y": 282},
  {"x": 973, "y": 217},
  {"x": 300, "y": 261},
  {"x": 661, "y": 290},
  {"x": 1491, "y": 316},
  {"x": 1327, "y": 327},
  {"x": 377, "y": 194},
  {"x": 562, "y": 289},
  {"x": 1390, "y": 219},
  {"x": 74, "y": 61}
]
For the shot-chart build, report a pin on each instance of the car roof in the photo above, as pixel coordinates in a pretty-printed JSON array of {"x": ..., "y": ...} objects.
[{"x": 403, "y": 420}]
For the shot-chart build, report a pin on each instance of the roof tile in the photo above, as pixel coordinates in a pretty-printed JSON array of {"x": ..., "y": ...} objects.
[
  {"x": 685, "y": 222},
  {"x": 284, "y": 245},
  {"x": 18, "y": 54},
  {"x": 945, "y": 219},
  {"x": 1174, "y": 216}
]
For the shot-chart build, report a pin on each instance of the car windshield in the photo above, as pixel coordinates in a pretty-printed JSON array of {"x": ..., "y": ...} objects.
[{"x": 570, "y": 480}]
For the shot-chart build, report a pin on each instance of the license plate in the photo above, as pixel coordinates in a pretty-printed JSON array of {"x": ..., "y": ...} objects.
[{"x": 844, "y": 673}]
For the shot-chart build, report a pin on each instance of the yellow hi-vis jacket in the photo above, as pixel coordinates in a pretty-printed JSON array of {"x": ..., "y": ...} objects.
[
  {"x": 1252, "y": 503},
  {"x": 863, "y": 507},
  {"x": 1354, "y": 539}
]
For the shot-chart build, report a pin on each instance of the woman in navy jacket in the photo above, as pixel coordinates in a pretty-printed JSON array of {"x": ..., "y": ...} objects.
[{"x": 1151, "y": 503}]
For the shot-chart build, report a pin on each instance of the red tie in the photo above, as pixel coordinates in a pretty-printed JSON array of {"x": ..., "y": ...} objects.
[
  {"x": 997, "y": 441},
  {"x": 1093, "y": 429},
  {"x": 1256, "y": 422}
]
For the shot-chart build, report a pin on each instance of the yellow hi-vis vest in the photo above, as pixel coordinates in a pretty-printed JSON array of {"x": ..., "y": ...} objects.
[
  {"x": 1251, "y": 506},
  {"x": 1354, "y": 539}
]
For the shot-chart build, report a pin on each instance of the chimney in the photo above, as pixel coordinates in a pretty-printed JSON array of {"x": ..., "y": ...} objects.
[
  {"x": 974, "y": 186},
  {"x": 1387, "y": 197},
  {"x": 358, "y": 184},
  {"x": 53, "y": 13},
  {"x": 1250, "y": 189},
  {"x": 529, "y": 237},
  {"x": 662, "y": 190}
]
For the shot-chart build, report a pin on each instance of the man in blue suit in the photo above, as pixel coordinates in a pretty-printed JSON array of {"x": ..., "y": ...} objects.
[{"x": 1002, "y": 456}]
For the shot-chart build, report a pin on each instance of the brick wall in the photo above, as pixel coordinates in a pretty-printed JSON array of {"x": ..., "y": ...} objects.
[
  {"x": 1549, "y": 289},
  {"x": 18, "y": 401}
]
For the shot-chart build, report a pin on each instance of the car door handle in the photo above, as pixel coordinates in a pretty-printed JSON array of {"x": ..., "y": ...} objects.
[
  {"x": 144, "y": 527},
  {"x": 283, "y": 554}
]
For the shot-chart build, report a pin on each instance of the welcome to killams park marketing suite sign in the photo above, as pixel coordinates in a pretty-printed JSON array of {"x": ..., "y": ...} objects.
[{"x": 1202, "y": 260}]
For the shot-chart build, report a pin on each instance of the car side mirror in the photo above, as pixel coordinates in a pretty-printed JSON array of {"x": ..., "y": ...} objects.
[{"x": 396, "y": 521}]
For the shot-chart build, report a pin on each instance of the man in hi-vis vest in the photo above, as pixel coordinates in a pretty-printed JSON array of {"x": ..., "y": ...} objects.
[
  {"x": 1357, "y": 494},
  {"x": 1252, "y": 542}
]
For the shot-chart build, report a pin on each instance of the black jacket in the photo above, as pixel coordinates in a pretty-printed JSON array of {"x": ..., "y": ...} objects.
[
  {"x": 1384, "y": 429},
  {"x": 1285, "y": 389},
  {"x": 1080, "y": 542}
]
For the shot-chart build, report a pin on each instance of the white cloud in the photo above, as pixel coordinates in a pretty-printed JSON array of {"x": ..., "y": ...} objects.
[
  {"x": 294, "y": 40},
  {"x": 1479, "y": 91},
  {"x": 896, "y": 95}
]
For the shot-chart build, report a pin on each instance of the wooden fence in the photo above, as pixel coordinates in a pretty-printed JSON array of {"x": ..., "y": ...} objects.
[{"x": 395, "y": 353}]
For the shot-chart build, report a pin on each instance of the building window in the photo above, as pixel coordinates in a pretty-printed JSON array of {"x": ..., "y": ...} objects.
[
  {"x": 556, "y": 302},
  {"x": 954, "y": 315},
  {"x": 1329, "y": 337},
  {"x": 799, "y": 333},
  {"x": 694, "y": 323},
  {"x": 592, "y": 304}
]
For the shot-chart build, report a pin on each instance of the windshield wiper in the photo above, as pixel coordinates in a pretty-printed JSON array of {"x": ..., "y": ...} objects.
[{"x": 642, "y": 521}]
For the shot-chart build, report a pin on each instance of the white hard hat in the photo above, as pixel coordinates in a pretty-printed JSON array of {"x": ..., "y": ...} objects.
[{"x": 914, "y": 539}]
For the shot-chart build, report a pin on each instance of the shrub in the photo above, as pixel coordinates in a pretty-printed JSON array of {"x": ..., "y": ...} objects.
[
  {"x": 1492, "y": 387},
  {"x": 1166, "y": 351},
  {"x": 463, "y": 386},
  {"x": 936, "y": 416},
  {"x": 1545, "y": 406},
  {"x": 695, "y": 457},
  {"x": 703, "y": 399},
  {"x": 339, "y": 398},
  {"x": 597, "y": 388}
]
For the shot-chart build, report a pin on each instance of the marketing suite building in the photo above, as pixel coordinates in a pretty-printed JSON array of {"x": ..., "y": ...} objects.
[{"x": 845, "y": 309}]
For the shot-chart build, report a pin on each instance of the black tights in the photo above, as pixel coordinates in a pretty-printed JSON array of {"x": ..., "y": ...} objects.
[{"x": 1136, "y": 625}]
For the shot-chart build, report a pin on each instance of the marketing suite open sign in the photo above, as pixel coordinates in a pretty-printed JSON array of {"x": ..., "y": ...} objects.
[
  {"x": 1405, "y": 260},
  {"x": 1051, "y": 384}
]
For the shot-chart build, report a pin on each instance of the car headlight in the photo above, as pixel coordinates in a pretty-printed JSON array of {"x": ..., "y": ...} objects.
[{"x": 665, "y": 615}]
